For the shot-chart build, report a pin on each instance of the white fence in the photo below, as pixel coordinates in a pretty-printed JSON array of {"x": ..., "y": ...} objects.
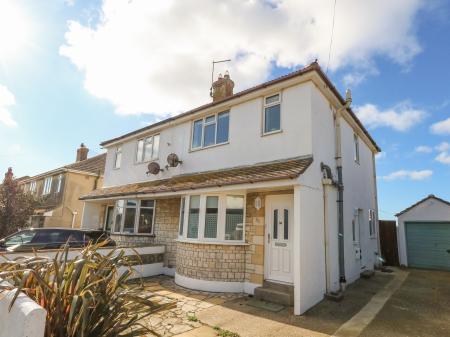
[{"x": 27, "y": 318}]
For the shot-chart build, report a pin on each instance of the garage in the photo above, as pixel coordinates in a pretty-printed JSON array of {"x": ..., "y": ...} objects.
[
  {"x": 423, "y": 232},
  {"x": 428, "y": 245}
]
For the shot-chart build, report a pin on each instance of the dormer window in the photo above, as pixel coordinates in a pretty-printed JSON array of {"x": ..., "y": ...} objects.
[
  {"x": 147, "y": 149},
  {"x": 211, "y": 130}
]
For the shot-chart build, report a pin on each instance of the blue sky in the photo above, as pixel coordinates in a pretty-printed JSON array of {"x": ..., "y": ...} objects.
[{"x": 86, "y": 71}]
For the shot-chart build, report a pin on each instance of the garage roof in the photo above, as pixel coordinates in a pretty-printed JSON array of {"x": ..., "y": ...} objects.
[{"x": 431, "y": 196}]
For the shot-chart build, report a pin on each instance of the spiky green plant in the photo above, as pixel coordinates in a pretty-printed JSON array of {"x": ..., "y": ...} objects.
[{"x": 86, "y": 296}]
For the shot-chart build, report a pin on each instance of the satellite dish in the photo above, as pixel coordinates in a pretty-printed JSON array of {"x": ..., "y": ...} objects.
[
  {"x": 154, "y": 168},
  {"x": 173, "y": 160}
]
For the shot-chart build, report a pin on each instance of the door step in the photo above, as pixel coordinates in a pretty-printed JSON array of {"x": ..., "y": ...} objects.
[{"x": 276, "y": 293}]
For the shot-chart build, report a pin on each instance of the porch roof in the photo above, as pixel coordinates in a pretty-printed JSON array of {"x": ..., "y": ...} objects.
[{"x": 276, "y": 170}]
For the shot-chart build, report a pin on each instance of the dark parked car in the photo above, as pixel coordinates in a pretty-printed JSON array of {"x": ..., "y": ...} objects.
[{"x": 51, "y": 238}]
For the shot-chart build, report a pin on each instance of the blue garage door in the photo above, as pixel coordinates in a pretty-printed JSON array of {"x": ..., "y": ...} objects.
[{"x": 428, "y": 245}]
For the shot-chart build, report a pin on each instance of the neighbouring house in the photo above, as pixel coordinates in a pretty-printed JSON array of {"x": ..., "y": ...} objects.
[
  {"x": 250, "y": 192},
  {"x": 59, "y": 190},
  {"x": 424, "y": 234}
]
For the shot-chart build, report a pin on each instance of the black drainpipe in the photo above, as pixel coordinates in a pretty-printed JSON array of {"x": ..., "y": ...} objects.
[{"x": 340, "y": 202}]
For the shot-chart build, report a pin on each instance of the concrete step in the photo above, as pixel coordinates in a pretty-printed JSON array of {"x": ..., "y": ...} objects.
[
  {"x": 274, "y": 296},
  {"x": 286, "y": 288}
]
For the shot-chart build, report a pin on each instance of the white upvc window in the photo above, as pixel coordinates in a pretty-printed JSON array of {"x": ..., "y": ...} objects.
[
  {"x": 134, "y": 216},
  {"x": 147, "y": 149},
  {"x": 210, "y": 130},
  {"x": 32, "y": 187},
  {"x": 212, "y": 218},
  {"x": 356, "y": 147},
  {"x": 372, "y": 223},
  {"x": 118, "y": 157},
  {"x": 47, "y": 186},
  {"x": 272, "y": 114},
  {"x": 58, "y": 187}
]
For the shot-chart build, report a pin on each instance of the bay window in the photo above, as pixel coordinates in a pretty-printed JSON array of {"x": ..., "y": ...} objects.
[
  {"x": 211, "y": 130},
  {"x": 134, "y": 216},
  {"x": 212, "y": 218}
]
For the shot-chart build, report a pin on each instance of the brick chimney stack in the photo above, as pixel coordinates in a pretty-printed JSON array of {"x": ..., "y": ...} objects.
[
  {"x": 82, "y": 152},
  {"x": 223, "y": 87}
]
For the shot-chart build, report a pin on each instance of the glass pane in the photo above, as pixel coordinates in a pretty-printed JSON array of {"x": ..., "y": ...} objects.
[
  {"x": 197, "y": 134},
  {"x": 210, "y": 135},
  {"x": 139, "y": 151},
  {"x": 210, "y": 119},
  {"x": 212, "y": 211},
  {"x": 183, "y": 204},
  {"x": 234, "y": 218},
  {"x": 275, "y": 224},
  {"x": 286, "y": 224},
  {"x": 131, "y": 203},
  {"x": 109, "y": 218},
  {"x": 147, "y": 203},
  {"x": 194, "y": 211},
  {"x": 155, "y": 154},
  {"x": 272, "y": 118},
  {"x": 118, "y": 158},
  {"x": 145, "y": 220},
  {"x": 223, "y": 122},
  {"x": 148, "y": 148},
  {"x": 119, "y": 214},
  {"x": 128, "y": 224},
  {"x": 272, "y": 99},
  {"x": 20, "y": 238}
]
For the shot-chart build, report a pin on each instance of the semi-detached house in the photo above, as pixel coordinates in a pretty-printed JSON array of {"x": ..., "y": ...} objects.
[{"x": 274, "y": 185}]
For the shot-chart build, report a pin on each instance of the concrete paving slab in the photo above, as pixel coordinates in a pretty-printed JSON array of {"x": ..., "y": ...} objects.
[{"x": 204, "y": 331}]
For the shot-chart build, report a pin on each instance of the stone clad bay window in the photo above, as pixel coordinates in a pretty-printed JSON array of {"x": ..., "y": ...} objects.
[
  {"x": 211, "y": 130},
  {"x": 212, "y": 218},
  {"x": 134, "y": 216},
  {"x": 147, "y": 149}
]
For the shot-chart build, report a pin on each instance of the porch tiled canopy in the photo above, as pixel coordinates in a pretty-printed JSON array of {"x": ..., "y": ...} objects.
[{"x": 277, "y": 170}]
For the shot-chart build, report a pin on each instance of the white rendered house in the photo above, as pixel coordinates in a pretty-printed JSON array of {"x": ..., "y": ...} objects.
[{"x": 244, "y": 191}]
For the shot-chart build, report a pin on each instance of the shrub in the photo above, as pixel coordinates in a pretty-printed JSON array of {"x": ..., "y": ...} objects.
[{"x": 86, "y": 296}]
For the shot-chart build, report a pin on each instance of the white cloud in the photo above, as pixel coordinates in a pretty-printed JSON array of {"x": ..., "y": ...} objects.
[
  {"x": 444, "y": 146},
  {"x": 424, "y": 149},
  {"x": 400, "y": 117},
  {"x": 443, "y": 157},
  {"x": 442, "y": 127},
  {"x": 155, "y": 57},
  {"x": 380, "y": 155},
  {"x": 405, "y": 174},
  {"x": 6, "y": 101}
]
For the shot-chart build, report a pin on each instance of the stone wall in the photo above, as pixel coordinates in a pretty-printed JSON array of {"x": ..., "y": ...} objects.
[{"x": 211, "y": 262}]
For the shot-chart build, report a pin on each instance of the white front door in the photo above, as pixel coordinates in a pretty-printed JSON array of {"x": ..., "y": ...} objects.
[{"x": 278, "y": 241}]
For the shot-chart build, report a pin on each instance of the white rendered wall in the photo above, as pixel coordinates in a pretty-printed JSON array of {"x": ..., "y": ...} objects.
[
  {"x": 429, "y": 210},
  {"x": 26, "y": 318},
  {"x": 91, "y": 216},
  {"x": 246, "y": 143}
]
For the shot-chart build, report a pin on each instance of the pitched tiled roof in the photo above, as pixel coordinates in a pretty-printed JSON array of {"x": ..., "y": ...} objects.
[
  {"x": 431, "y": 196},
  {"x": 92, "y": 165},
  {"x": 278, "y": 170},
  {"x": 312, "y": 67}
]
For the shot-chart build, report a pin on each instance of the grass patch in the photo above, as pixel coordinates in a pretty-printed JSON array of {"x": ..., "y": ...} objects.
[
  {"x": 224, "y": 333},
  {"x": 192, "y": 318}
]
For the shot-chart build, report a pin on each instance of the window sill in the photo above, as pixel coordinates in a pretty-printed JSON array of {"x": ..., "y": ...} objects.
[
  {"x": 271, "y": 133},
  {"x": 208, "y": 147},
  {"x": 145, "y": 162},
  {"x": 220, "y": 243},
  {"x": 133, "y": 234}
]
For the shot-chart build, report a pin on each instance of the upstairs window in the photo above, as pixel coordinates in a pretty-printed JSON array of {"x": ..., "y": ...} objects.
[
  {"x": 58, "y": 187},
  {"x": 32, "y": 187},
  {"x": 372, "y": 223},
  {"x": 272, "y": 114},
  {"x": 211, "y": 130},
  {"x": 118, "y": 157},
  {"x": 47, "y": 186},
  {"x": 147, "y": 149},
  {"x": 356, "y": 147}
]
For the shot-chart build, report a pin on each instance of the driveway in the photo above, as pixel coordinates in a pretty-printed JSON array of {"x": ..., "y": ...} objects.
[{"x": 421, "y": 307}]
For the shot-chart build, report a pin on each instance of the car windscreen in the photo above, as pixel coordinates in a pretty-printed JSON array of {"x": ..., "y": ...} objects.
[{"x": 20, "y": 238}]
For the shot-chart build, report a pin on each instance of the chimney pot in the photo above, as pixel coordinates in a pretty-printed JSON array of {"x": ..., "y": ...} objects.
[
  {"x": 223, "y": 87},
  {"x": 82, "y": 152}
]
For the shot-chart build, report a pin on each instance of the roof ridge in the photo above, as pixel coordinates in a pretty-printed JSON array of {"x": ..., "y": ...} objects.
[{"x": 430, "y": 196}]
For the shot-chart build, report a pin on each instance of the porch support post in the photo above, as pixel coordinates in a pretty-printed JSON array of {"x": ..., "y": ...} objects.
[{"x": 296, "y": 250}]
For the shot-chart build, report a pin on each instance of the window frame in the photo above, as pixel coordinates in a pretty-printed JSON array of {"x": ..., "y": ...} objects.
[
  {"x": 264, "y": 106},
  {"x": 47, "y": 188},
  {"x": 204, "y": 123},
  {"x": 117, "y": 152},
  {"x": 145, "y": 142},
  {"x": 356, "y": 149},
  {"x": 32, "y": 187},
  {"x": 372, "y": 223},
  {"x": 221, "y": 220},
  {"x": 59, "y": 185},
  {"x": 136, "y": 218}
]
